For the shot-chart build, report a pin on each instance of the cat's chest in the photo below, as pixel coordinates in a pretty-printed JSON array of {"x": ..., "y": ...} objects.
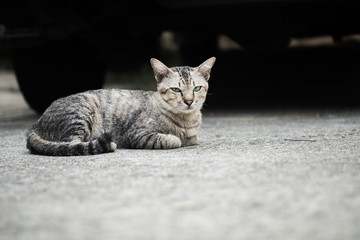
[{"x": 187, "y": 131}]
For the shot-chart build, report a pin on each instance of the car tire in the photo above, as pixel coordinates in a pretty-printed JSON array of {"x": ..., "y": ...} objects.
[{"x": 55, "y": 70}]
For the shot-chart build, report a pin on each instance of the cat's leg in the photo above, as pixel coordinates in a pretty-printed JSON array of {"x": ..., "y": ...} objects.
[
  {"x": 190, "y": 141},
  {"x": 83, "y": 130},
  {"x": 157, "y": 141},
  {"x": 166, "y": 141}
]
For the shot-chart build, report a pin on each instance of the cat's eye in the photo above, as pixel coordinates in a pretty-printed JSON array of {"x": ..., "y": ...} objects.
[
  {"x": 177, "y": 90},
  {"x": 196, "y": 89}
]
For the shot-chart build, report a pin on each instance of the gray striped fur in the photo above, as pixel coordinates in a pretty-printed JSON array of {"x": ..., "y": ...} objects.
[{"x": 100, "y": 121}]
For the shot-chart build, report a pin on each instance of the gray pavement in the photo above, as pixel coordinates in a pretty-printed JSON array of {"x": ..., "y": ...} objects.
[{"x": 255, "y": 175}]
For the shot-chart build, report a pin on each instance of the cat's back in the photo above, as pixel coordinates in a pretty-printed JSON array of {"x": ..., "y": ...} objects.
[
  {"x": 102, "y": 108},
  {"x": 101, "y": 99},
  {"x": 108, "y": 99}
]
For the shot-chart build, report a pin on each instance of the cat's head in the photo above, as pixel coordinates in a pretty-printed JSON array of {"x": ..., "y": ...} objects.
[{"x": 182, "y": 89}]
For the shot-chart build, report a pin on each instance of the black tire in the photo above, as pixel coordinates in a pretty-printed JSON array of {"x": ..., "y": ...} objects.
[{"x": 58, "y": 69}]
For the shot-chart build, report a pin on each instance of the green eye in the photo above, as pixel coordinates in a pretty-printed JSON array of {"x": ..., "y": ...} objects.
[
  {"x": 196, "y": 89},
  {"x": 177, "y": 90}
]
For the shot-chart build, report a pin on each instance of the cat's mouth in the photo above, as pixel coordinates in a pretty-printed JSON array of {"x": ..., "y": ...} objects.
[{"x": 189, "y": 108}]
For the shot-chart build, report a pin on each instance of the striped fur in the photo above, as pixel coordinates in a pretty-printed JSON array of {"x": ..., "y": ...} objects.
[{"x": 99, "y": 121}]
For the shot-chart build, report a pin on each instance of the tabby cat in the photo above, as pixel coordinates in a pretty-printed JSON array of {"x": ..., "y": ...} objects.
[{"x": 99, "y": 121}]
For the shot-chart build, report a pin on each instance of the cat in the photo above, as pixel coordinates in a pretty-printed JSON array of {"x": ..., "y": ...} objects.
[{"x": 100, "y": 121}]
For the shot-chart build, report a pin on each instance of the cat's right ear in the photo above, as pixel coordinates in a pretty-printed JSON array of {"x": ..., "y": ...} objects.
[{"x": 160, "y": 70}]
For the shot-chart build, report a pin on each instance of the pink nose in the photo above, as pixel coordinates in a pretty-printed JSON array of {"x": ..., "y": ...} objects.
[{"x": 188, "y": 102}]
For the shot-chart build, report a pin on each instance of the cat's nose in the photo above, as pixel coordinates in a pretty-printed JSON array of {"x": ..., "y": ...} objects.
[{"x": 188, "y": 102}]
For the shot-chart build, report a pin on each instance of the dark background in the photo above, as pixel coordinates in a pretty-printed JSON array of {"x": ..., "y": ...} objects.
[
  {"x": 317, "y": 76},
  {"x": 311, "y": 73},
  {"x": 276, "y": 54}
]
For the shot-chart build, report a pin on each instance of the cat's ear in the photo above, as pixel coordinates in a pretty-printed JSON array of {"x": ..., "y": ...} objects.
[
  {"x": 160, "y": 70},
  {"x": 205, "y": 68}
]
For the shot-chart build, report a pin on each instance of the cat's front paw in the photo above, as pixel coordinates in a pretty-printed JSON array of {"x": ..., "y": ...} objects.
[
  {"x": 167, "y": 141},
  {"x": 113, "y": 146}
]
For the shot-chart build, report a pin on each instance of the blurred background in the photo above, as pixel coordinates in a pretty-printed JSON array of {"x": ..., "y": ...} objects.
[{"x": 270, "y": 53}]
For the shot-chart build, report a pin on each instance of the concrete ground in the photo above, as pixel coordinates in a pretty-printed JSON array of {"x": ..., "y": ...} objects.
[{"x": 254, "y": 175}]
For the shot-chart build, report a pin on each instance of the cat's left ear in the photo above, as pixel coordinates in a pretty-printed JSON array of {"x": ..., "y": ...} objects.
[
  {"x": 205, "y": 68},
  {"x": 160, "y": 70}
]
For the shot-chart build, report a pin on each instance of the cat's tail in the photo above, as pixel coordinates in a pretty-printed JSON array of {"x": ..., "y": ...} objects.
[{"x": 38, "y": 145}]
